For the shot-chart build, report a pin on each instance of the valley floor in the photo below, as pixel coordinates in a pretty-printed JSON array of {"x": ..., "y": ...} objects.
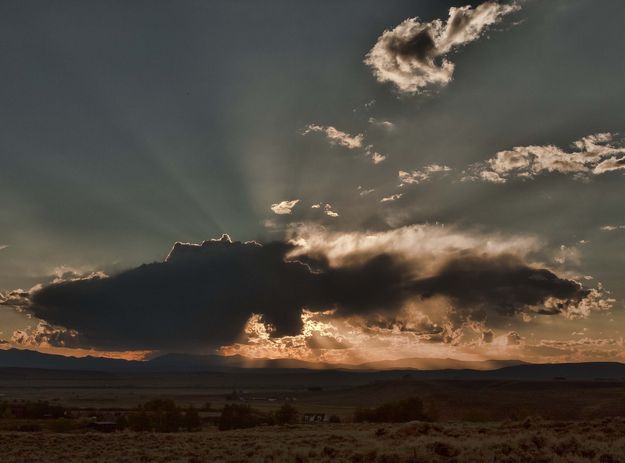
[{"x": 531, "y": 440}]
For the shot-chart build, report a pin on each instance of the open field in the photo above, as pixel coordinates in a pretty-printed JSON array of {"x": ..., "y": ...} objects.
[
  {"x": 336, "y": 392},
  {"x": 601, "y": 441},
  {"x": 487, "y": 420}
]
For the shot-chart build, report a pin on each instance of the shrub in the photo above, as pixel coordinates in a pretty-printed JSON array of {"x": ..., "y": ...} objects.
[
  {"x": 238, "y": 416},
  {"x": 191, "y": 420},
  {"x": 159, "y": 405},
  {"x": 139, "y": 422},
  {"x": 30, "y": 427},
  {"x": 63, "y": 425},
  {"x": 443, "y": 449},
  {"x": 287, "y": 414},
  {"x": 121, "y": 422},
  {"x": 399, "y": 411}
]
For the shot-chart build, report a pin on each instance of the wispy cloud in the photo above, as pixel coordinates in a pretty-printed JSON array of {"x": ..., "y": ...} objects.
[
  {"x": 422, "y": 175},
  {"x": 375, "y": 157},
  {"x": 612, "y": 227},
  {"x": 388, "y": 125},
  {"x": 393, "y": 197},
  {"x": 592, "y": 155},
  {"x": 3, "y": 246},
  {"x": 344, "y": 139},
  {"x": 364, "y": 191},
  {"x": 413, "y": 55},
  {"x": 327, "y": 209},
  {"x": 336, "y": 137},
  {"x": 284, "y": 207}
]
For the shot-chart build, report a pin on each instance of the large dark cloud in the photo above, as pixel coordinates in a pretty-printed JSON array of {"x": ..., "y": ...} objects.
[
  {"x": 202, "y": 295},
  {"x": 505, "y": 285}
]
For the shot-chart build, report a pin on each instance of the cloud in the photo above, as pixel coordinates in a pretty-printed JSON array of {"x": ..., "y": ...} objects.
[
  {"x": 45, "y": 335},
  {"x": 422, "y": 175},
  {"x": 612, "y": 227},
  {"x": 431, "y": 282},
  {"x": 336, "y": 137},
  {"x": 393, "y": 197},
  {"x": 388, "y": 125},
  {"x": 413, "y": 55},
  {"x": 478, "y": 275},
  {"x": 202, "y": 295},
  {"x": 3, "y": 246},
  {"x": 375, "y": 157},
  {"x": 327, "y": 209},
  {"x": 592, "y": 155},
  {"x": 576, "y": 350},
  {"x": 364, "y": 191},
  {"x": 479, "y": 286},
  {"x": 320, "y": 341},
  {"x": 284, "y": 207},
  {"x": 513, "y": 338},
  {"x": 352, "y": 142},
  {"x": 17, "y": 298}
]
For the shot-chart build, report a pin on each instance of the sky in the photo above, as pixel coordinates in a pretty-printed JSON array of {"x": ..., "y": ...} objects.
[{"x": 346, "y": 181}]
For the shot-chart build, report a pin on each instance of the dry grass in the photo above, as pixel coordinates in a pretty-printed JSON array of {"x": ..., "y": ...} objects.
[{"x": 523, "y": 441}]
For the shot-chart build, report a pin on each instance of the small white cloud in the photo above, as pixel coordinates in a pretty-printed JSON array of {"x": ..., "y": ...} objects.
[
  {"x": 388, "y": 125},
  {"x": 375, "y": 157},
  {"x": 336, "y": 137},
  {"x": 284, "y": 207},
  {"x": 393, "y": 197},
  {"x": 3, "y": 246},
  {"x": 364, "y": 192},
  {"x": 422, "y": 175},
  {"x": 327, "y": 210},
  {"x": 612, "y": 227},
  {"x": 492, "y": 177}
]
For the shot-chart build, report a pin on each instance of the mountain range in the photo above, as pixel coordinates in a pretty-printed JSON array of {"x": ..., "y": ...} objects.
[{"x": 415, "y": 367}]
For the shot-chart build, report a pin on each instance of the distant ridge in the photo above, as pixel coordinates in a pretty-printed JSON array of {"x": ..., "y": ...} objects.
[
  {"x": 18, "y": 358},
  {"x": 415, "y": 367}
]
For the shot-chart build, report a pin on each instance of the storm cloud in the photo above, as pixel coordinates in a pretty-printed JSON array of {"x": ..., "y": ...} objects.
[
  {"x": 505, "y": 285},
  {"x": 202, "y": 295}
]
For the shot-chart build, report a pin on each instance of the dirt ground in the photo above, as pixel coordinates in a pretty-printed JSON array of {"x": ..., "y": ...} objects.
[{"x": 531, "y": 440}]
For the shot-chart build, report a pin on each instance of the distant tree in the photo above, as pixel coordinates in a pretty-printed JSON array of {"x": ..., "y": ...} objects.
[
  {"x": 191, "y": 420},
  {"x": 139, "y": 422},
  {"x": 286, "y": 414},
  {"x": 159, "y": 405},
  {"x": 121, "y": 422},
  {"x": 236, "y": 416}
]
